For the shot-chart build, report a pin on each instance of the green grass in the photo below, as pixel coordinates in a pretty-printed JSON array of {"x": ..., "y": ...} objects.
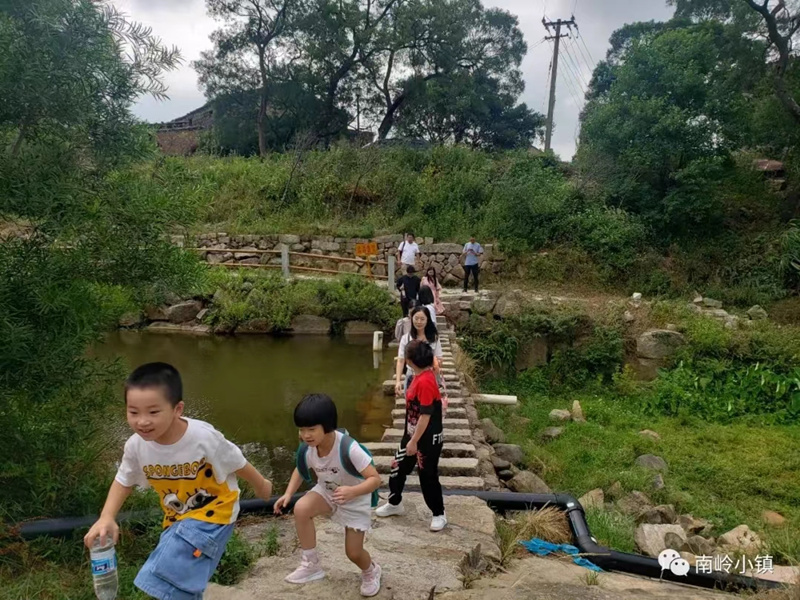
[
  {"x": 727, "y": 474},
  {"x": 612, "y": 528},
  {"x": 58, "y": 569}
]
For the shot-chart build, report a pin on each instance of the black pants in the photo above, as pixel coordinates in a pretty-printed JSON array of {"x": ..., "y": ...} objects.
[
  {"x": 475, "y": 270},
  {"x": 404, "y": 302},
  {"x": 427, "y": 458}
]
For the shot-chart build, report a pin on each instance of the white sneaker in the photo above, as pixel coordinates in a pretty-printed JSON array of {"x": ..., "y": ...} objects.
[
  {"x": 390, "y": 510},
  {"x": 371, "y": 581},
  {"x": 306, "y": 572},
  {"x": 438, "y": 523}
]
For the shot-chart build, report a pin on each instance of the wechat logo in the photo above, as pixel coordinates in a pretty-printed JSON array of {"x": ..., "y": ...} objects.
[{"x": 671, "y": 561}]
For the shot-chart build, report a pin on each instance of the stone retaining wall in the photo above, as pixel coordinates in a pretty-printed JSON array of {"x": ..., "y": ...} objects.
[{"x": 443, "y": 257}]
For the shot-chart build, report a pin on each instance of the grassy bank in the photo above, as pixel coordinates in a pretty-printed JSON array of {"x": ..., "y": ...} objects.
[
  {"x": 248, "y": 296},
  {"x": 58, "y": 569},
  {"x": 725, "y": 410},
  {"x": 552, "y": 226}
]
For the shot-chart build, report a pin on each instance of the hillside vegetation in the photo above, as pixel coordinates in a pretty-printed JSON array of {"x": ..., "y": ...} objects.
[{"x": 552, "y": 226}]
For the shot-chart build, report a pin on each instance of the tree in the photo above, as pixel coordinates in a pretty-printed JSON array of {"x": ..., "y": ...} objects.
[
  {"x": 776, "y": 21},
  {"x": 248, "y": 51},
  {"x": 433, "y": 39},
  {"x": 293, "y": 110},
  {"x": 338, "y": 38},
  {"x": 61, "y": 74},
  {"x": 469, "y": 109},
  {"x": 93, "y": 240},
  {"x": 665, "y": 113}
]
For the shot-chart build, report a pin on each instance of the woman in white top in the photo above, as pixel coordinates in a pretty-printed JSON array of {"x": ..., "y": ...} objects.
[{"x": 423, "y": 327}]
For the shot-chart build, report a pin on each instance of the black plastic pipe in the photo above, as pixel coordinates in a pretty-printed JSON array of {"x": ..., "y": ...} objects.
[
  {"x": 608, "y": 559},
  {"x": 605, "y": 558}
]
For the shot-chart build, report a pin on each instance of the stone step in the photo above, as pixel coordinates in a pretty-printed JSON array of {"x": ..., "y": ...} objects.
[
  {"x": 452, "y": 413},
  {"x": 450, "y": 483},
  {"x": 450, "y": 450},
  {"x": 447, "y": 423},
  {"x": 448, "y": 467},
  {"x": 399, "y": 403},
  {"x": 457, "y": 436}
]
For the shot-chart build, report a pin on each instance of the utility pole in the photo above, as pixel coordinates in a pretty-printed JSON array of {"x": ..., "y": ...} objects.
[{"x": 557, "y": 37}]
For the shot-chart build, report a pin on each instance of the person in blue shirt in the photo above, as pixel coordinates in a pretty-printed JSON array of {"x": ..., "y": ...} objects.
[{"x": 472, "y": 251}]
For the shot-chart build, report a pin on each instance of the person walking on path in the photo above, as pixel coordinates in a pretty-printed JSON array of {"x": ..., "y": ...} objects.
[
  {"x": 407, "y": 251},
  {"x": 423, "y": 438},
  {"x": 408, "y": 285},
  {"x": 472, "y": 251},
  {"x": 423, "y": 327},
  {"x": 432, "y": 281}
]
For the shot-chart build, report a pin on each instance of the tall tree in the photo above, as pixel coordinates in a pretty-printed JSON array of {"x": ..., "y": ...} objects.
[
  {"x": 662, "y": 121},
  {"x": 69, "y": 73},
  {"x": 248, "y": 50},
  {"x": 294, "y": 109},
  {"x": 61, "y": 75},
  {"x": 432, "y": 39},
  {"x": 338, "y": 38},
  {"x": 472, "y": 109},
  {"x": 776, "y": 20}
]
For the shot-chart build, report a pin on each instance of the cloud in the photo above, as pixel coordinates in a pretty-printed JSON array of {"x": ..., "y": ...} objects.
[{"x": 184, "y": 23}]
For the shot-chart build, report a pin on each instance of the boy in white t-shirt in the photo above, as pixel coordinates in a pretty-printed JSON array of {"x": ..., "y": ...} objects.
[
  {"x": 194, "y": 470},
  {"x": 346, "y": 498}
]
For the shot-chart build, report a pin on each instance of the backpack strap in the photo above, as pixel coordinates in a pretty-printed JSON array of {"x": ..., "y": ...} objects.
[
  {"x": 349, "y": 467},
  {"x": 301, "y": 462},
  {"x": 344, "y": 456}
]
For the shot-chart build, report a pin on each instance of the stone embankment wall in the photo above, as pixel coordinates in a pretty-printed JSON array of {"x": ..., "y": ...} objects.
[{"x": 443, "y": 257}]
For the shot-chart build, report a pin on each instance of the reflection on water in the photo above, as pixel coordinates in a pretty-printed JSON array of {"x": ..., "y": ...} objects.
[{"x": 248, "y": 386}]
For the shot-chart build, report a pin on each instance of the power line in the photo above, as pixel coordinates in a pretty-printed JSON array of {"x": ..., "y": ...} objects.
[
  {"x": 574, "y": 70},
  {"x": 574, "y": 85},
  {"x": 567, "y": 77},
  {"x": 580, "y": 37},
  {"x": 537, "y": 44},
  {"x": 589, "y": 63},
  {"x": 570, "y": 88},
  {"x": 544, "y": 96},
  {"x": 575, "y": 65}
]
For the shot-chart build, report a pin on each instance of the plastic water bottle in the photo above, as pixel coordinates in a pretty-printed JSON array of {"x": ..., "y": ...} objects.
[{"x": 104, "y": 568}]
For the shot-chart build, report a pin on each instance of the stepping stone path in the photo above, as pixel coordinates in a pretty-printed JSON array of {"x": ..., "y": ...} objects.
[{"x": 458, "y": 466}]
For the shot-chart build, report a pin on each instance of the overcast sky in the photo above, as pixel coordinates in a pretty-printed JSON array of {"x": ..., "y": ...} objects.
[{"x": 185, "y": 24}]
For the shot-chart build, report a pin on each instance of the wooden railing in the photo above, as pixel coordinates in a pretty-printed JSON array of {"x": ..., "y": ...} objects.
[{"x": 287, "y": 267}]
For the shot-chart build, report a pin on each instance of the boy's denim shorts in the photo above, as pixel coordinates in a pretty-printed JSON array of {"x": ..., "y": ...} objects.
[{"x": 186, "y": 557}]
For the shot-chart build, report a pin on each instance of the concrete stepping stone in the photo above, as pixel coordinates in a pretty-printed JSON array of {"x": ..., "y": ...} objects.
[
  {"x": 448, "y": 467},
  {"x": 459, "y": 436},
  {"x": 449, "y": 450}
]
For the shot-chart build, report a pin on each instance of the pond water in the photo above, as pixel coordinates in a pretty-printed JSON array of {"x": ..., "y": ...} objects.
[{"x": 248, "y": 386}]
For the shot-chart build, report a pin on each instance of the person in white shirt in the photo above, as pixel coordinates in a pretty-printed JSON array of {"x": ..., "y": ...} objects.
[
  {"x": 344, "y": 495},
  {"x": 423, "y": 328},
  {"x": 194, "y": 471},
  {"x": 407, "y": 251}
]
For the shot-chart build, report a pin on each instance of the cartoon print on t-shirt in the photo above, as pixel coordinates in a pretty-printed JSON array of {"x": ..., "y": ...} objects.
[{"x": 191, "y": 490}]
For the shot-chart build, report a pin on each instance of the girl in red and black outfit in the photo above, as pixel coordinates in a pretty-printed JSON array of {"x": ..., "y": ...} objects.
[{"x": 422, "y": 439}]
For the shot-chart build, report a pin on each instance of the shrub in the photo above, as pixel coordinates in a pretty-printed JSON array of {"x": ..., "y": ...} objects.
[
  {"x": 716, "y": 390},
  {"x": 583, "y": 350},
  {"x": 245, "y": 296}
]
